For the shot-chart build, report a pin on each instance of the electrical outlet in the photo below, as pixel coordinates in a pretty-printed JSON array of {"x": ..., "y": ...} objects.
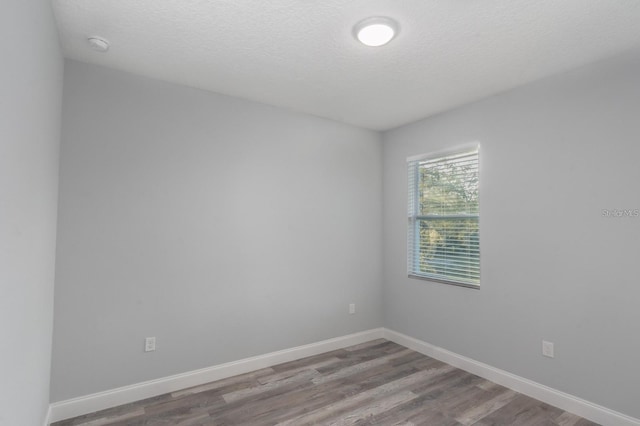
[
  {"x": 150, "y": 344},
  {"x": 547, "y": 349},
  {"x": 352, "y": 308}
]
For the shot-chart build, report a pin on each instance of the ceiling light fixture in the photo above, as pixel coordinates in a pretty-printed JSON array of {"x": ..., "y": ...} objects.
[
  {"x": 376, "y": 31},
  {"x": 98, "y": 44}
]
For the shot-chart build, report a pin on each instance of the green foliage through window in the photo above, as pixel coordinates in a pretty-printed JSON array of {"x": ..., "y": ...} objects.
[{"x": 443, "y": 228}]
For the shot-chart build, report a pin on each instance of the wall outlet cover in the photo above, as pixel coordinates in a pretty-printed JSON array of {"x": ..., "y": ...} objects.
[{"x": 149, "y": 344}]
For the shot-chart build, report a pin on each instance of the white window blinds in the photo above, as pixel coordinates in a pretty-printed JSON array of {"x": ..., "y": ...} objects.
[{"x": 443, "y": 225}]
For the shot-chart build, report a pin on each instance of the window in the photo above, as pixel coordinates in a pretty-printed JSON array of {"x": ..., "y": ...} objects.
[{"x": 443, "y": 227}]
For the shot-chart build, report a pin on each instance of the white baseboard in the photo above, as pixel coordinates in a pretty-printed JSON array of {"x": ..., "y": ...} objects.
[
  {"x": 564, "y": 401},
  {"x": 102, "y": 400},
  {"x": 47, "y": 419},
  {"x": 99, "y": 401}
]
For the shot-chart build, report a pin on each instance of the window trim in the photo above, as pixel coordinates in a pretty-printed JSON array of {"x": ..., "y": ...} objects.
[{"x": 413, "y": 218}]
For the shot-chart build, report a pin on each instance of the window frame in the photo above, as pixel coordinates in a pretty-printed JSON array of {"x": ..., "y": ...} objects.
[{"x": 414, "y": 218}]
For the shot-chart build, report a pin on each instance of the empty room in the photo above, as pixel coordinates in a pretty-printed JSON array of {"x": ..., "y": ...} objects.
[{"x": 340, "y": 212}]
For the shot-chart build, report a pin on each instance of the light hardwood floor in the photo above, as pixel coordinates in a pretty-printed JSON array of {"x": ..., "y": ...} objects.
[{"x": 375, "y": 383}]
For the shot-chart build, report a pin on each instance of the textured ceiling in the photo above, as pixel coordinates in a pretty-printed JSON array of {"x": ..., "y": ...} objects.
[{"x": 301, "y": 54}]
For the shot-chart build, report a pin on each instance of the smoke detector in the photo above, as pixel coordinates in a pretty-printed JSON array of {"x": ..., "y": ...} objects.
[{"x": 98, "y": 44}]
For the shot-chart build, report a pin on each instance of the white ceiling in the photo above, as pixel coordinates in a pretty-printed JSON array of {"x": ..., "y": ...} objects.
[{"x": 301, "y": 54}]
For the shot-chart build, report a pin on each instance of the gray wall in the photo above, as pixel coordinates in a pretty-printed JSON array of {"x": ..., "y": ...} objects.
[
  {"x": 30, "y": 99},
  {"x": 553, "y": 155},
  {"x": 224, "y": 228}
]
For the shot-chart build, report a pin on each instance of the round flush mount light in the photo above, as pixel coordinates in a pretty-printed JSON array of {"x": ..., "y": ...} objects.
[
  {"x": 376, "y": 31},
  {"x": 98, "y": 44}
]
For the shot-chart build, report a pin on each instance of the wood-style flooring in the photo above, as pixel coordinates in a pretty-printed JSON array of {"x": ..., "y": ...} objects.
[{"x": 375, "y": 383}]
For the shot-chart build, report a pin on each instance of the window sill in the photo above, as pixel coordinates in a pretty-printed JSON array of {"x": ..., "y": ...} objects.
[{"x": 420, "y": 277}]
